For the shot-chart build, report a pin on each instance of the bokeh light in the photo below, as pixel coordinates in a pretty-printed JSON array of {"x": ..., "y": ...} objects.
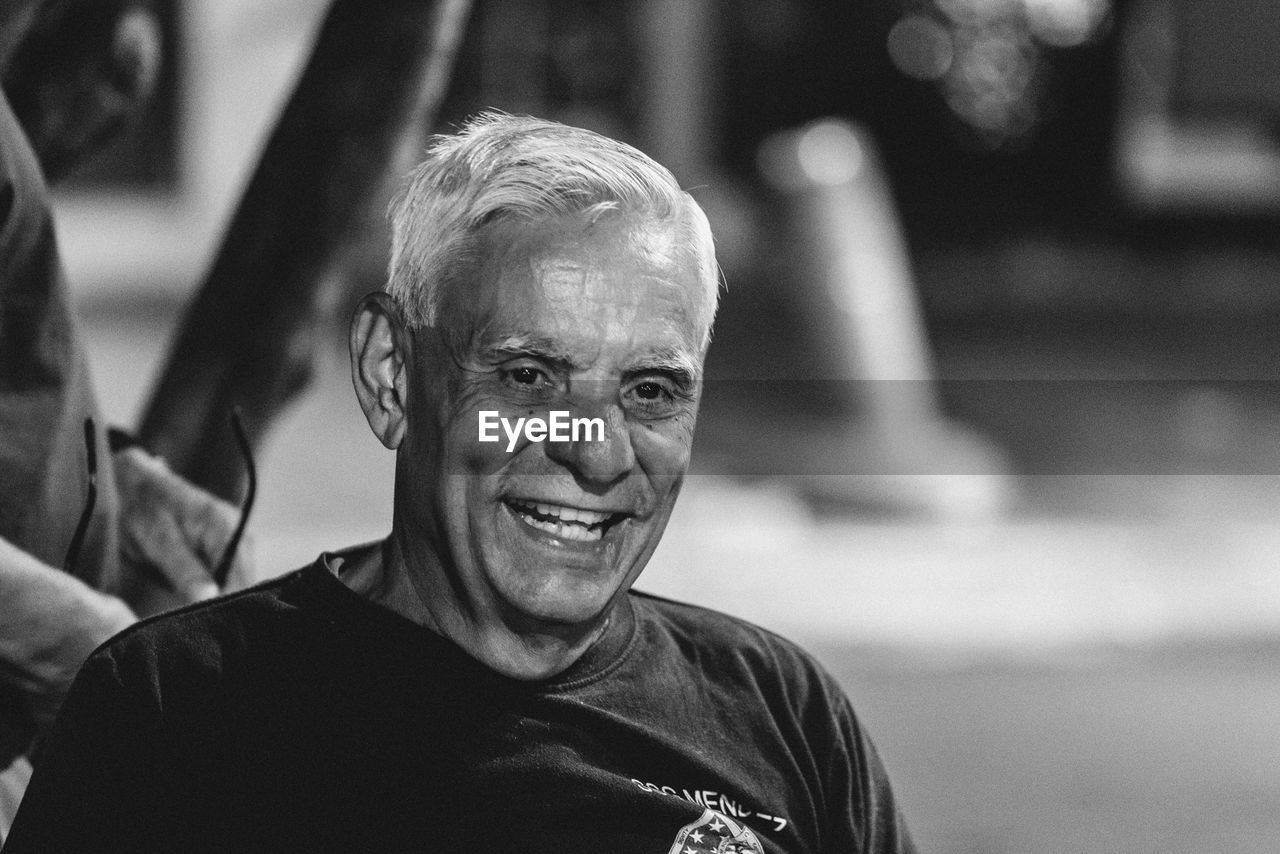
[
  {"x": 988, "y": 57},
  {"x": 920, "y": 47},
  {"x": 1065, "y": 23}
]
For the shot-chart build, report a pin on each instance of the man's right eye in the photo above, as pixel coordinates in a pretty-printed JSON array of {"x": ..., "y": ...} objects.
[{"x": 525, "y": 379}]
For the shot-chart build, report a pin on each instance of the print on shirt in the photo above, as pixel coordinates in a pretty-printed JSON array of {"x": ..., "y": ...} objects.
[
  {"x": 714, "y": 833},
  {"x": 715, "y": 801}
]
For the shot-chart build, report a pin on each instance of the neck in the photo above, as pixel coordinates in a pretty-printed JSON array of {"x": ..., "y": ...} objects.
[{"x": 413, "y": 582}]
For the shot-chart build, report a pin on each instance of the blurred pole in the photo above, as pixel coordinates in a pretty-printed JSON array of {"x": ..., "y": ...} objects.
[
  {"x": 680, "y": 119},
  {"x": 858, "y": 294},
  {"x": 862, "y": 293},
  {"x": 677, "y": 88},
  {"x": 377, "y": 75}
]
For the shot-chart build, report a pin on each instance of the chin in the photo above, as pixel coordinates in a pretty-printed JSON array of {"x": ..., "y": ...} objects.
[{"x": 561, "y": 601}]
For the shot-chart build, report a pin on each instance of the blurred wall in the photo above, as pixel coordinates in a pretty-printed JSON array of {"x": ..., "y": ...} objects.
[{"x": 237, "y": 61}]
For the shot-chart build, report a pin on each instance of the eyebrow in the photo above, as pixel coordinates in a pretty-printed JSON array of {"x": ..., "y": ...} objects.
[
  {"x": 668, "y": 360},
  {"x": 530, "y": 345}
]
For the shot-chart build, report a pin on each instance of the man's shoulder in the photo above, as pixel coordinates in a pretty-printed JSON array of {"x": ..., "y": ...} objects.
[
  {"x": 206, "y": 634},
  {"x": 714, "y": 627},
  {"x": 725, "y": 641}
]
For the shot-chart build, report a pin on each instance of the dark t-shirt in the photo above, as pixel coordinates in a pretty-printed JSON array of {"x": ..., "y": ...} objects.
[{"x": 298, "y": 716}]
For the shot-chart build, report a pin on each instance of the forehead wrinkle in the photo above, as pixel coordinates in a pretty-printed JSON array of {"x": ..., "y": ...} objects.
[
  {"x": 551, "y": 264},
  {"x": 656, "y": 242},
  {"x": 570, "y": 301}
]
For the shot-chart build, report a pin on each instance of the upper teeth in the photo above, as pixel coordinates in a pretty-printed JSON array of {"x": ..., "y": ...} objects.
[{"x": 569, "y": 514}]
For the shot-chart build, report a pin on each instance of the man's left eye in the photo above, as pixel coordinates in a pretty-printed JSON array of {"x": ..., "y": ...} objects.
[
  {"x": 652, "y": 397},
  {"x": 651, "y": 391},
  {"x": 527, "y": 376}
]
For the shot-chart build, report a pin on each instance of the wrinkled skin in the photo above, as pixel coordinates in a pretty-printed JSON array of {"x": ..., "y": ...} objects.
[
  {"x": 172, "y": 536},
  {"x": 520, "y": 556}
]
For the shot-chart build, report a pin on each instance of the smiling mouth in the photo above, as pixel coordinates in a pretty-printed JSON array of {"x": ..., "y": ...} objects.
[{"x": 567, "y": 523}]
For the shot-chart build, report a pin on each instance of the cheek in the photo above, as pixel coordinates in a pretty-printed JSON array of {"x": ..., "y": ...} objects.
[
  {"x": 663, "y": 449},
  {"x": 468, "y": 455}
]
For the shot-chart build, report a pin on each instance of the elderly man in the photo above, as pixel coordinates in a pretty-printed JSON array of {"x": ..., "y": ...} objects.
[{"x": 485, "y": 679}]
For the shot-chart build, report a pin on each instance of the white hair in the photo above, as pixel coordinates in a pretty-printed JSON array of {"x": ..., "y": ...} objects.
[{"x": 503, "y": 167}]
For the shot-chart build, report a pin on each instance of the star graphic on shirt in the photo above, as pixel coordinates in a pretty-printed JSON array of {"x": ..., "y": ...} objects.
[{"x": 715, "y": 832}]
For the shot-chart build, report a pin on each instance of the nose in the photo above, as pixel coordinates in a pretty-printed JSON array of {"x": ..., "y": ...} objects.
[{"x": 596, "y": 459}]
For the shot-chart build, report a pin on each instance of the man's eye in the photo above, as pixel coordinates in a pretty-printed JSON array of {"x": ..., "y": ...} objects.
[
  {"x": 530, "y": 382},
  {"x": 526, "y": 376},
  {"x": 650, "y": 391},
  {"x": 652, "y": 397}
]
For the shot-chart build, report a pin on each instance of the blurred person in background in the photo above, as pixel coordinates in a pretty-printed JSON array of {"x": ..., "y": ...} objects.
[
  {"x": 72, "y": 76},
  {"x": 485, "y": 678}
]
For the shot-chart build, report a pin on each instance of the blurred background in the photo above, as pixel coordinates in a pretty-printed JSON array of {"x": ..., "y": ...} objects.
[{"x": 991, "y": 419}]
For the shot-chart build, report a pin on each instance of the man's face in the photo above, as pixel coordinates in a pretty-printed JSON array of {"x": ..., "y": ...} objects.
[{"x": 599, "y": 320}]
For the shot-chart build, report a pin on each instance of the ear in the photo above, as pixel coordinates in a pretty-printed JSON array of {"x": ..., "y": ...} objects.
[{"x": 380, "y": 356}]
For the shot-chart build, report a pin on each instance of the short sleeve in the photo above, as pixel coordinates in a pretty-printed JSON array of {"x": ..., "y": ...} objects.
[
  {"x": 84, "y": 792},
  {"x": 863, "y": 814}
]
